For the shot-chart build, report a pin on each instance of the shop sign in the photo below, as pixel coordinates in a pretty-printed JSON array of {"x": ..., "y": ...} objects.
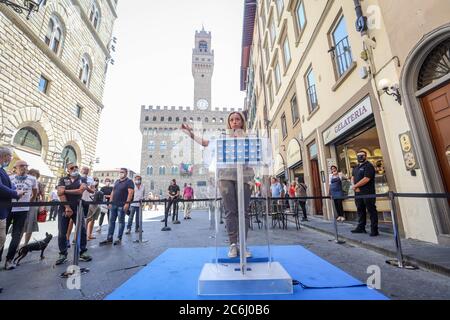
[
  {"x": 294, "y": 154},
  {"x": 362, "y": 111}
]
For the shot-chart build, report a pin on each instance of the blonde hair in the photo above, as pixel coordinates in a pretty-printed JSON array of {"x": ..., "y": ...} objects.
[{"x": 244, "y": 126}]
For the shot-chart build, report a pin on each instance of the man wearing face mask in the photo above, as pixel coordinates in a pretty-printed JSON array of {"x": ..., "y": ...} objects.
[
  {"x": 7, "y": 192},
  {"x": 18, "y": 215},
  {"x": 70, "y": 189},
  {"x": 121, "y": 194},
  {"x": 363, "y": 181},
  {"x": 106, "y": 190},
  {"x": 139, "y": 193}
]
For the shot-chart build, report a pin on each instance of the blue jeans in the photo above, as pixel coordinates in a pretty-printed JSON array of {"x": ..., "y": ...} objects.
[
  {"x": 133, "y": 211},
  {"x": 116, "y": 211}
]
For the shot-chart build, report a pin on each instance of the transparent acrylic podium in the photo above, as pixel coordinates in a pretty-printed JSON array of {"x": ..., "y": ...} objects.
[{"x": 249, "y": 276}]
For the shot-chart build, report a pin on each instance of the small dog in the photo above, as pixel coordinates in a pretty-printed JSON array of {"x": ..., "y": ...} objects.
[{"x": 34, "y": 246}]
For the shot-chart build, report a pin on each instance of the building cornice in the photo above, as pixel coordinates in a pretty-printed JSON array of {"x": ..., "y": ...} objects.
[{"x": 19, "y": 23}]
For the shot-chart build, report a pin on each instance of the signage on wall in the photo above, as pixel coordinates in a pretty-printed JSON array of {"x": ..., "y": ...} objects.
[
  {"x": 360, "y": 112},
  {"x": 408, "y": 151}
]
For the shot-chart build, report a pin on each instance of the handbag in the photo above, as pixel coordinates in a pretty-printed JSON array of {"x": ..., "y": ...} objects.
[{"x": 42, "y": 215}]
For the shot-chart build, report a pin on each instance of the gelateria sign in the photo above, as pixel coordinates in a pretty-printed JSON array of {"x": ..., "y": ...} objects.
[{"x": 359, "y": 113}]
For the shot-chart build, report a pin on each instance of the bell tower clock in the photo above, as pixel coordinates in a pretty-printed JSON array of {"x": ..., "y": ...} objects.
[{"x": 202, "y": 69}]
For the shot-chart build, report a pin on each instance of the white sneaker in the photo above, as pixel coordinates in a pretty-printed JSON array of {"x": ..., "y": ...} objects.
[
  {"x": 248, "y": 253},
  {"x": 99, "y": 229},
  {"x": 233, "y": 252},
  {"x": 9, "y": 265}
]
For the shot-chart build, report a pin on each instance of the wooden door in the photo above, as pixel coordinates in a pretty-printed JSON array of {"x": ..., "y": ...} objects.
[
  {"x": 436, "y": 107},
  {"x": 316, "y": 190}
]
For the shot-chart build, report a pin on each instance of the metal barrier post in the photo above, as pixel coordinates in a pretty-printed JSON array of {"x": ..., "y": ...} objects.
[
  {"x": 266, "y": 223},
  {"x": 72, "y": 270},
  {"x": 399, "y": 262},
  {"x": 336, "y": 234},
  {"x": 141, "y": 222},
  {"x": 175, "y": 209},
  {"x": 166, "y": 216}
]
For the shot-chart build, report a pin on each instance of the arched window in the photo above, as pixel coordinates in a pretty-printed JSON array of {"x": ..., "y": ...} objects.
[
  {"x": 177, "y": 119},
  {"x": 146, "y": 118},
  {"x": 221, "y": 120},
  {"x": 154, "y": 118},
  {"x": 184, "y": 119},
  {"x": 151, "y": 145},
  {"x": 29, "y": 138},
  {"x": 163, "y": 146},
  {"x": 68, "y": 155},
  {"x": 203, "y": 46},
  {"x": 149, "y": 170},
  {"x": 436, "y": 65},
  {"x": 170, "y": 119},
  {"x": 85, "y": 69},
  {"x": 54, "y": 35},
  {"x": 175, "y": 170},
  {"x": 213, "y": 120},
  {"x": 94, "y": 15},
  {"x": 206, "y": 119},
  {"x": 152, "y": 185},
  {"x": 162, "y": 171}
]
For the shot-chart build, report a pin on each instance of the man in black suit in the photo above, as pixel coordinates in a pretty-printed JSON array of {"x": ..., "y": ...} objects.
[{"x": 7, "y": 192}]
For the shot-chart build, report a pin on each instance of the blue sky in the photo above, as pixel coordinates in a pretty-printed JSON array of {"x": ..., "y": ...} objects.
[{"x": 153, "y": 67}]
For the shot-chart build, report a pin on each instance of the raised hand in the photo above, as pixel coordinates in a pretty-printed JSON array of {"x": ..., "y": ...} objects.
[{"x": 187, "y": 129}]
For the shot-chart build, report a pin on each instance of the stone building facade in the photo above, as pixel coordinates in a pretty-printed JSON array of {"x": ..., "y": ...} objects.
[
  {"x": 328, "y": 78},
  {"x": 167, "y": 153},
  {"x": 112, "y": 174},
  {"x": 52, "y": 76}
]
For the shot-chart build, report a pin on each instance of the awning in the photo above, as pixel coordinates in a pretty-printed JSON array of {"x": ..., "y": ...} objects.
[{"x": 35, "y": 162}]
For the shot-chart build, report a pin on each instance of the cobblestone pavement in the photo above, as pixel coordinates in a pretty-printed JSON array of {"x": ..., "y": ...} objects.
[{"x": 113, "y": 265}]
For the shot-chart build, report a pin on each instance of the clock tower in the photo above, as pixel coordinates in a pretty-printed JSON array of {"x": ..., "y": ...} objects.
[{"x": 202, "y": 69}]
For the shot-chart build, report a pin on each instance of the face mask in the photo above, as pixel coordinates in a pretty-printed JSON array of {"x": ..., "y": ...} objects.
[
  {"x": 5, "y": 164},
  {"x": 74, "y": 174},
  {"x": 95, "y": 183},
  {"x": 138, "y": 181},
  {"x": 361, "y": 158},
  {"x": 84, "y": 175}
]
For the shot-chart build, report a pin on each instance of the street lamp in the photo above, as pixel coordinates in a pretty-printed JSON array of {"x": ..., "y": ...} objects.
[{"x": 28, "y": 6}]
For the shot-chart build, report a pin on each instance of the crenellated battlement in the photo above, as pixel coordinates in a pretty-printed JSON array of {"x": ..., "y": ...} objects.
[{"x": 152, "y": 108}]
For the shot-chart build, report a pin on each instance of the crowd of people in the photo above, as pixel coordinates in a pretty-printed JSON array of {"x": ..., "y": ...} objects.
[{"x": 22, "y": 185}]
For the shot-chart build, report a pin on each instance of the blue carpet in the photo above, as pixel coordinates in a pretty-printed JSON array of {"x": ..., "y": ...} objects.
[{"x": 174, "y": 275}]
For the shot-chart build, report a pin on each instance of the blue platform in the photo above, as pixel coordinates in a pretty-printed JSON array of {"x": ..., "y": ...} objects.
[{"x": 174, "y": 276}]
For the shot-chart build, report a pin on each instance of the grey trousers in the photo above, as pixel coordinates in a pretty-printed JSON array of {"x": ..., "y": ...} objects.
[{"x": 228, "y": 191}]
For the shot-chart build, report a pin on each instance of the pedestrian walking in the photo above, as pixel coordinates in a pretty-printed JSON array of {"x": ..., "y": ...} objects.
[
  {"x": 301, "y": 192},
  {"x": 139, "y": 193},
  {"x": 363, "y": 181},
  {"x": 228, "y": 183},
  {"x": 121, "y": 195}
]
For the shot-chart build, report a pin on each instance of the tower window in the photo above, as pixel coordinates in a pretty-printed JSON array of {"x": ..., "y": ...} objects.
[{"x": 203, "y": 46}]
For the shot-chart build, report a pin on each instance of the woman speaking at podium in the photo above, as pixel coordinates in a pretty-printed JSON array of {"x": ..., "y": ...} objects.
[{"x": 227, "y": 182}]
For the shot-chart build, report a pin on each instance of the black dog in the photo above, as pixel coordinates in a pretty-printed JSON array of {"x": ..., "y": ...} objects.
[{"x": 35, "y": 246}]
